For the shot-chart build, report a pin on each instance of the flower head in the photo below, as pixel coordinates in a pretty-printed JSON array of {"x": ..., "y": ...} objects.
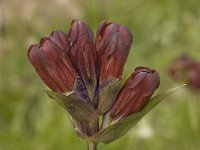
[
  {"x": 184, "y": 68},
  {"x": 86, "y": 74},
  {"x": 62, "y": 57},
  {"x": 180, "y": 66}
]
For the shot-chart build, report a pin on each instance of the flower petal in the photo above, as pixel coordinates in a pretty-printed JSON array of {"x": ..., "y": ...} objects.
[
  {"x": 39, "y": 60},
  {"x": 60, "y": 39},
  {"x": 136, "y": 93},
  {"x": 113, "y": 42}
]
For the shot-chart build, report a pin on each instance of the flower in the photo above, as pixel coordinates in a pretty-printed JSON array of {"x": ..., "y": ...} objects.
[
  {"x": 193, "y": 77},
  {"x": 135, "y": 93},
  {"x": 180, "y": 66},
  {"x": 184, "y": 68},
  {"x": 83, "y": 55},
  {"x": 62, "y": 58},
  {"x": 86, "y": 75},
  {"x": 52, "y": 62},
  {"x": 113, "y": 43}
]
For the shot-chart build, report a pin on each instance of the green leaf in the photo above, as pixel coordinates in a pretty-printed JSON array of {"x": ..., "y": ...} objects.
[
  {"x": 80, "y": 110},
  {"x": 119, "y": 128}
]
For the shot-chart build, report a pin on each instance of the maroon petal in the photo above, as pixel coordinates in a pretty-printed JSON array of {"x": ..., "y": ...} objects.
[
  {"x": 39, "y": 60},
  {"x": 136, "y": 93},
  {"x": 83, "y": 53},
  {"x": 53, "y": 64},
  {"x": 60, "y": 39},
  {"x": 113, "y": 43}
]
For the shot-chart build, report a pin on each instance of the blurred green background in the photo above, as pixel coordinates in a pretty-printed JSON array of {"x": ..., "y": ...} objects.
[{"x": 162, "y": 30}]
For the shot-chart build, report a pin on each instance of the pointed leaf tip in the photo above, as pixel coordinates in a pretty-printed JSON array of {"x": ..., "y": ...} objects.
[{"x": 159, "y": 97}]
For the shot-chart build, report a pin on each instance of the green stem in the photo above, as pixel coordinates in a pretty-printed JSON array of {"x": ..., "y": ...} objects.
[{"x": 92, "y": 146}]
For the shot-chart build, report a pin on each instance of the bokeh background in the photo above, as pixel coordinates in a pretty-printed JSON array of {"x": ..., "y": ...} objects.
[{"x": 162, "y": 30}]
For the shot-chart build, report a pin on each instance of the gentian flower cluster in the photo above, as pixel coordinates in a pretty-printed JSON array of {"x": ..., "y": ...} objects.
[{"x": 85, "y": 76}]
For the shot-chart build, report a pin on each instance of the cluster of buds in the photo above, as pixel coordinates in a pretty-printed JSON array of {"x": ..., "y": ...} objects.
[
  {"x": 85, "y": 76},
  {"x": 184, "y": 68}
]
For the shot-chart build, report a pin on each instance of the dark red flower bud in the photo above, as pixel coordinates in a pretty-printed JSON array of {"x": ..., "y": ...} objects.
[
  {"x": 113, "y": 42},
  {"x": 136, "y": 93},
  {"x": 52, "y": 62},
  {"x": 83, "y": 54}
]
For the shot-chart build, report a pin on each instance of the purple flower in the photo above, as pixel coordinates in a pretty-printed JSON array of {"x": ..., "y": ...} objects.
[
  {"x": 186, "y": 69},
  {"x": 113, "y": 43},
  {"x": 135, "y": 93},
  {"x": 90, "y": 71},
  {"x": 52, "y": 62},
  {"x": 62, "y": 58}
]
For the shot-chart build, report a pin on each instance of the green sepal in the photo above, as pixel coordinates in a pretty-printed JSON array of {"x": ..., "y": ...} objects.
[
  {"x": 108, "y": 95},
  {"x": 79, "y": 110},
  {"x": 118, "y": 128}
]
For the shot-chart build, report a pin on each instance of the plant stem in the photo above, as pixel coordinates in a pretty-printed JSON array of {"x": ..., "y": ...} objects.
[
  {"x": 94, "y": 128},
  {"x": 92, "y": 146}
]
